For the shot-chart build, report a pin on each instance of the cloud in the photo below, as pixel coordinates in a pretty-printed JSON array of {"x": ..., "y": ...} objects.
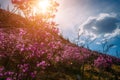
[
  {"x": 116, "y": 33},
  {"x": 103, "y": 24}
]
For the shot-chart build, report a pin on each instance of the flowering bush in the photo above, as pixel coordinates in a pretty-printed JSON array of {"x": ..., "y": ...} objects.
[
  {"x": 24, "y": 54},
  {"x": 27, "y": 53},
  {"x": 103, "y": 62}
]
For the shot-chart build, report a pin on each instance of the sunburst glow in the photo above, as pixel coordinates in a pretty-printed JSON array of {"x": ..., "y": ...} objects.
[{"x": 43, "y": 5}]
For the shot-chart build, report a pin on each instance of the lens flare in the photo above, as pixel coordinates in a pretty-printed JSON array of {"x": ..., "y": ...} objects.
[{"x": 43, "y": 5}]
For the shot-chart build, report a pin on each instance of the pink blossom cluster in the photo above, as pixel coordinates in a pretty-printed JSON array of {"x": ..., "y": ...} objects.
[
  {"x": 103, "y": 62},
  {"x": 18, "y": 1},
  {"x": 30, "y": 50},
  {"x": 25, "y": 53}
]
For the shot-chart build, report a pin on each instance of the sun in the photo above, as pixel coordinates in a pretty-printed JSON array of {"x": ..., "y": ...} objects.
[{"x": 43, "y": 5}]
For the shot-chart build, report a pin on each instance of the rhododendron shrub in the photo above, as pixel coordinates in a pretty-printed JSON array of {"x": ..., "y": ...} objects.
[
  {"x": 29, "y": 53},
  {"x": 24, "y": 54},
  {"x": 103, "y": 62}
]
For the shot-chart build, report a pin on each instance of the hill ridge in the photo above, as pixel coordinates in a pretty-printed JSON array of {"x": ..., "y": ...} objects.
[{"x": 35, "y": 53}]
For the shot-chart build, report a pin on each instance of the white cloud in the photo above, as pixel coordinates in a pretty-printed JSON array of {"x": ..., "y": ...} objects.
[
  {"x": 103, "y": 24},
  {"x": 98, "y": 43},
  {"x": 104, "y": 15},
  {"x": 114, "y": 34},
  {"x": 95, "y": 28}
]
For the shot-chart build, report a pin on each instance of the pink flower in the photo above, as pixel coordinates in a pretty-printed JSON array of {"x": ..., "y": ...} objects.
[
  {"x": 42, "y": 64},
  {"x": 33, "y": 74},
  {"x": 103, "y": 62},
  {"x": 1, "y": 69},
  {"x": 9, "y": 78}
]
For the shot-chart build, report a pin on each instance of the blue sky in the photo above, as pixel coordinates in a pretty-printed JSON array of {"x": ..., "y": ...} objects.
[
  {"x": 93, "y": 20},
  {"x": 97, "y": 21}
]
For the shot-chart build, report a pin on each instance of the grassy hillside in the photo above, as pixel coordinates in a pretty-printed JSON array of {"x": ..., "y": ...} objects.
[
  {"x": 8, "y": 20},
  {"x": 37, "y": 52}
]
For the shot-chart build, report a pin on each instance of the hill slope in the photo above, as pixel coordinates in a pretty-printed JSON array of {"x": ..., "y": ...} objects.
[
  {"x": 8, "y": 20},
  {"x": 37, "y": 52}
]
